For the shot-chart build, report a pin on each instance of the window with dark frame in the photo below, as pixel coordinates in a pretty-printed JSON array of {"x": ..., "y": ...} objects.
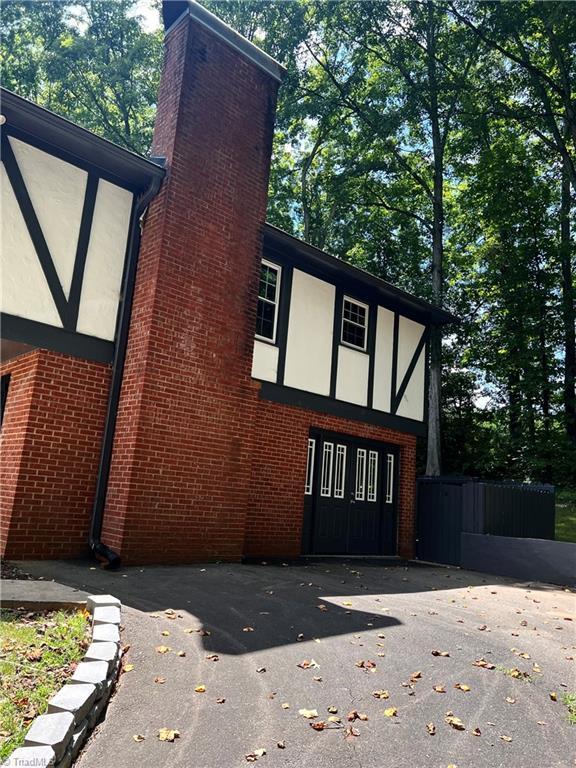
[
  {"x": 354, "y": 324},
  {"x": 268, "y": 298},
  {"x": 4, "y": 384}
]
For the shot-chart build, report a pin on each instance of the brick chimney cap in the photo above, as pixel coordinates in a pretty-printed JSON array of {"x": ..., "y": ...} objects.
[{"x": 174, "y": 10}]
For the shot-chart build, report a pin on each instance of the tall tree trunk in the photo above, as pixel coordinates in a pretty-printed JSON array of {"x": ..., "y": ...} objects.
[
  {"x": 434, "y": 454},
  {"x": 568, "y": 315}
]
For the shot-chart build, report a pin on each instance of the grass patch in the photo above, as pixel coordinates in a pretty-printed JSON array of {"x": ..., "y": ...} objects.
[
  {"x": 515, "y": 673},
  {"x": 569, "y": 701},
  {"x": 566, "y": 514},
  {"x": 37, "y": 651}
]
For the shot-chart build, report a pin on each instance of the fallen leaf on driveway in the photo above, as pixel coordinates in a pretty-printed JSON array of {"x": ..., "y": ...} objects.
[
  {"x": 253, "y": 756},
  {"x": 308, "y": 713},
  {"x": 168, "y": 734},
  {"x": 308, "y": 664},
  {"x": 510, "y": 700},
  {"x": 317, "y": 679},
  {"x": 390, "y": 712},
  {"x": 355, "y": 715},
  {"x": 477, "y": 732},
  {"x": 319, "y": 726},
  {"x": 506, "y": 738},
  {"x": 220, "y": 701},
  {"x": 440, "y": 653},
  {"x": 260, "y": 670},
  {"x": 200, "y": 689},
  {"x": 366, "y": 664},
  {"x": 553, "y": 695},
  {"x": 350, "y": 733},
  {"x": 462, "y": 687},
  {"x": 281, "y": 744},
  {"x": 322, "y": 607},
  {"x": 285, "y": 705},
  {"x": 165, "y": 633},
  {"x": 213, "y": 657},
  {"x": 431, "y": 728},
  {"x": 334, "y": 719},
  {"x": 454, "y": 721},
  {"x": 332, "y": 710},
  {"x": 439, "y": 689},
  {"x": 128, "y": 667},
  {"x": 415, "y": 676},
  {"x": 159, "y": 679},
  {"x": 380, "y": 694},
  {"x": 163, "y": 649},
  {"x": 347, "y": 603},
  {"x": 138, "y": 737},
  {"x": 181, "y": 653},
  {"x": 248, "y": 629},
  {"x": 481, "y": 662}
]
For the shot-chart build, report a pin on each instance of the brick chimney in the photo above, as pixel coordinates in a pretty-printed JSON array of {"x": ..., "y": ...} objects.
[{"x": 179, "y": 478}]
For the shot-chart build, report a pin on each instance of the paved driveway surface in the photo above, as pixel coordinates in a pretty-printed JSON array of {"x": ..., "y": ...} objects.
[{"x": 394, "y": 617}]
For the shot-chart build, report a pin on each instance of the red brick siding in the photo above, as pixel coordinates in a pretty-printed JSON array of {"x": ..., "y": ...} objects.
[
  {"x": 49, "y": 452},
  {"x": 274, "y": 520},
  {"x": 182, "y": 454}
]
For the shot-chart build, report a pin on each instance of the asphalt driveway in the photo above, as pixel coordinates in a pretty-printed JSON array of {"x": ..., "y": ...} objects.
[{"x": 268, "y": 641}]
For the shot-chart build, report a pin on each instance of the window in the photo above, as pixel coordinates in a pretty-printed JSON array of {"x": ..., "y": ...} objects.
[
  {"x": 327, "y": 456},
  {"x": 354, "y": 323},
  {"x": 360, "y": 474},
  {"x": 310, "y": 467},
  {"x": 372, "y": 475},
  {"x": 340, "y": 472},
  {"x": 268, "y": 297},
  {"x": 389, "y": 478}
]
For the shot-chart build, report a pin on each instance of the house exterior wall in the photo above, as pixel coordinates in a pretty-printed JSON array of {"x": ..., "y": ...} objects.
[
  {"x": 49, "y": 452},
  {"x": 275, "y": 512},
  {"x": 180, "y": 471}
]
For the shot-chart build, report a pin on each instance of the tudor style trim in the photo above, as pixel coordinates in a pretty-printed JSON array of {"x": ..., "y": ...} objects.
[
  {"x": 299, "y": 398},
  {"x": 397, "y": 398},
  {"x": 82, "y": 248},
  {"x": 62, "y": 340}
]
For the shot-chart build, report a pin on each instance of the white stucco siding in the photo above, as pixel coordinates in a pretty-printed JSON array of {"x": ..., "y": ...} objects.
[
  {"x": 56, "y": 189},
  {"x": 265, "y": 361},
  {"x": 310, "y": 332},
  {"x": 105, "y": 261},
  {"x": 24, "y": 290},
  {"x": 352, "y": 376},
  {"x": 382, "y": 393},
  {"x": 409, "y": 334},
  {"x": 412, "y": 404}
]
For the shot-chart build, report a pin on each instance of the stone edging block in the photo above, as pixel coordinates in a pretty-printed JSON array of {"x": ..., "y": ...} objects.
[{"x": 55, "y": 739}]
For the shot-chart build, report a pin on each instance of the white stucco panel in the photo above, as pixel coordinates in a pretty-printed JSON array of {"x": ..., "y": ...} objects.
[
  {"x": 265, "y": 361},
  {"x": 409, "y": 334},
  {"x": 310, "y": 331},
  {"x": 412, "y": 404},
  {"x": 105, "y": 261},
  {"x": 24, "y": 291},
  {"x": 352, "y": 375},
  {"x": 56, "y": 189},
  {"x": 382, "y": 393}
]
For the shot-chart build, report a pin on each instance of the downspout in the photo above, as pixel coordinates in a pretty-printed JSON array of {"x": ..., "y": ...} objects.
[{"x": 100, "y": 550}]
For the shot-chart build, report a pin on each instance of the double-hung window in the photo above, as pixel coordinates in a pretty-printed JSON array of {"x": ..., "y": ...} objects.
[
  {"x": 354, "y": 324},
  {"x": 268, "y": 300}
]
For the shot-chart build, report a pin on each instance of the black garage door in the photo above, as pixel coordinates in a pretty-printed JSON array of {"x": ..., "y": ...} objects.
[{"x": 350, "y": 496}]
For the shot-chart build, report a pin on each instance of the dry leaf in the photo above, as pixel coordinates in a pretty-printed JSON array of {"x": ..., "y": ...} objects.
[
  {"x": 380, "y": 694},
  {"x": 334, "y": 719},
  {"x": 138, "y": 737},
  {"x": 317, "y": 679},
  {"x": 260, "y": 670},
  {"x": 462, "y": 687},
  {"x": 553, "y": 695},
  {"x": 319, "y": 726},
  {"x": 431, "y": 728},
  {"x": 159, "y": 679},
  {"x": 181, "y": 653},
  {"x": 308, "y": 713},
  {"x": 168, "y": 734},
  {"x": 128, "y": 667},
  {"x": 332, "y": 710},
  {"x": 307, "y": 664},
  {"x": 440, "y": 653},
  {"x": 481, "y": 662},
  {"x": 213, "y": 657},
  {"x": 350, "y": 733},
  {"x": 200, "y": 689},
  {"x": 259, "y": 752},
  {"x": 248, "y": 629},
  {"x": 163, "y": 649},
  {"x": 477, "y": 732},
  {"x": 415, "y": 676},
  {"x": 322, "y": 607},
  {"x": 510, "y": 700},
  {"x": 390, "y": 712},
  {"x": 220, "y": 701},
  {"x": 455, "y": 722},
  {"x": 506, "y": 738},
  {"x": 281, "y": 744},
  {"x": 366, "y": 664},
  {"x": 347, "y": 603},
  {"x": 439, "y": 689},
  {"x": 285, "y": 705},
  {"x": 165, "y": 633}
]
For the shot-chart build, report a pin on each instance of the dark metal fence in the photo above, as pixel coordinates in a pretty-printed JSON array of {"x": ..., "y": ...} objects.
[{"x": 449, "y": 506}]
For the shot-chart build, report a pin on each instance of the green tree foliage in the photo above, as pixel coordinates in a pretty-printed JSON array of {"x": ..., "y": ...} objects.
[{"x": 430, "y": 142}]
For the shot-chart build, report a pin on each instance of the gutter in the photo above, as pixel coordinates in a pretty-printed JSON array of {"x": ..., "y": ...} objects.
[{"x": 100, "y": 550}]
